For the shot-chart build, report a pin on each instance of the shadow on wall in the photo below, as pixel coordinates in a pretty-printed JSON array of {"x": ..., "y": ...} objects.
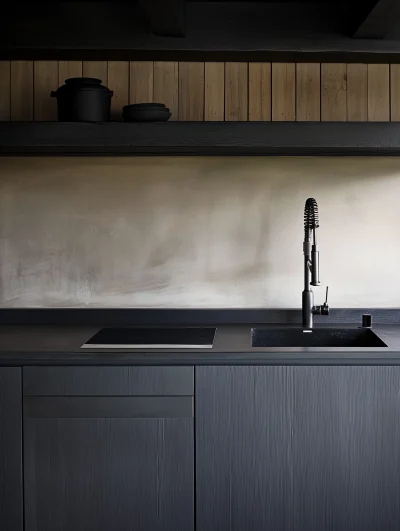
[{"x": 195, "y": 231}]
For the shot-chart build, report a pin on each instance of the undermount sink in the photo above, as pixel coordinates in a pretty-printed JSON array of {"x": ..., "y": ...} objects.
[{"x": 317, "y": 337}]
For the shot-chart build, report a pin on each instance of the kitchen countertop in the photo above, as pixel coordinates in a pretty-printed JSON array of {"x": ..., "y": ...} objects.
[{"x": 57, "y": 344}]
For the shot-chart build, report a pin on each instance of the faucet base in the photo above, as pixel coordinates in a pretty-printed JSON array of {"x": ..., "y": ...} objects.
[{"x": 307, "y": 307}]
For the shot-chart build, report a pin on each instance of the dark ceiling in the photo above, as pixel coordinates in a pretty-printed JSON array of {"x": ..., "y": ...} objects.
[
  {"x": 279, "y": 30},
  {"x": 356, "y": 2}
]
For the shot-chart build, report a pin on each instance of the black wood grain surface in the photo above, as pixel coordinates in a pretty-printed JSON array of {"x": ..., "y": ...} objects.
[
  {"x": 108, "y": 381},
  {"x": 243, "y": 434},
  {"x": 103, "y": 407},
  {"x": 346, "y": 448},
  {"x": 11, "y": 492},
  {"x": 298, "y": 448},
  {"x": 102, "y": 474},
  {"x": 201, "y": 138}
]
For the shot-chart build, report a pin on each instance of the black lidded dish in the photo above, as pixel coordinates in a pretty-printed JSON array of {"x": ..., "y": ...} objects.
[{"x": 146, "y": 112}]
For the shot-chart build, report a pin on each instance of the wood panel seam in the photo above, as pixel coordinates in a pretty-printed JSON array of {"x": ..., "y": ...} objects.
[{"x": 390, "y": 93}]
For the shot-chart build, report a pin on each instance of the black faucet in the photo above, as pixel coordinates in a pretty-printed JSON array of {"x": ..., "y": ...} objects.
[{"x": 311, "y": 265}]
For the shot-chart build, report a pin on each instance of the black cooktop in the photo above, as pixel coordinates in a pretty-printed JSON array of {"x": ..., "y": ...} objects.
[{"x": 152, "y": 338}]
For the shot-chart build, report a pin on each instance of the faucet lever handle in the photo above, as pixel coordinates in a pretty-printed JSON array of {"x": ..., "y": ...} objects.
[{"x": 325, "y": 307}]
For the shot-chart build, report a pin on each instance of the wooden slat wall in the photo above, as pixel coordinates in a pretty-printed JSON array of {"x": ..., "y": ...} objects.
[
  {"x": 191, "y": 91},
  {"x": 97, "y": 69},
  {"x": 395, "y": 93},
  {"x": 308, "y": 92},
  {"x": 5, "y": 90},
  {"x": 45, "y": 78},
  {"x": 213, "y": 90},
  {"x": 357, "y": 93},
  {"x": 166, "y": 88},
  {"x": 141, "y": 81},
  {"x": 236, "y": 92},
  {"x": 118, "y": 81},
  {"x": 333, "y": 92},
  {"x": 260, "y": 102},
  {"x": 68, "y": 69},
  {"x": 378, "y": 93},
  {"x": 21, "y": 90},
  {"x": 283, "y": 92}
]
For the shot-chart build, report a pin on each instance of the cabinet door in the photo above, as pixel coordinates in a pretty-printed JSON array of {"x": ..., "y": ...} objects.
[
  {"x": 11, "y": 512},
  {"x": 103, "y": 463},
  {"x": 298, "y": 448},
  {"x": 346, "y": 448},
  {"x": 243, "y": 437}
]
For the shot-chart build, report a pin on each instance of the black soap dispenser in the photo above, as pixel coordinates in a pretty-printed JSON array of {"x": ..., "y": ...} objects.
[{"x": 366, "y": 320}]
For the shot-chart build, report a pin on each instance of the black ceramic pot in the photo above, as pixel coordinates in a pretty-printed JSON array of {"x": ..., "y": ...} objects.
[{"x": 83, "y": 99}]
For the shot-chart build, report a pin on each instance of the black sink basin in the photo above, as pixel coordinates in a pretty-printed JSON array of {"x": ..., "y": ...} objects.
[{"x": 318, "y": 337}]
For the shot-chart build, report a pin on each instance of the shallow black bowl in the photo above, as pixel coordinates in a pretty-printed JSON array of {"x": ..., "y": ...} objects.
[
  {"x": 148, "y": 115},
  {"x": 142, "y": 107}
]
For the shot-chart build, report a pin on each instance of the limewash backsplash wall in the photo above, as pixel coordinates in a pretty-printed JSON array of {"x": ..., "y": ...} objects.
[{"x": 195, "y": 232}]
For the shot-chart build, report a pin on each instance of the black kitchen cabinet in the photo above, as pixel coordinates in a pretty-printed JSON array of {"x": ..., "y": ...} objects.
[
  {"x": 298, "y": 448},
  {"x": 123, "y": 461},
  {"x": 11, "y": 492}
]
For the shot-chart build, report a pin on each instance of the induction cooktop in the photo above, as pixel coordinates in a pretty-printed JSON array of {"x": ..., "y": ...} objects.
[{"x": 152, "y": 338}]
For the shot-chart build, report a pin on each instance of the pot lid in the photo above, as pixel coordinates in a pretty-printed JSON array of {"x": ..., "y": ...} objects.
[{"x": 73, "y": 84}]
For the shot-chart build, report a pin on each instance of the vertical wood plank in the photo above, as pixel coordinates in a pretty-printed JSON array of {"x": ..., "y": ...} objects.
[
  {"x": 166, "y": 85},
  {"x": 21, "y": 90},
  {"x": 45, "y": 78},
  {"x": 334, "y": 92},
  {"x": 141, "y": 81},
  {"x": 118, "y": 82},
  {"x": 395, "y": 93},
  {"x": 68, "y": 69},
  {"x": 357, "y": 92},
  {"x": 283, "y": 92},
  {"x": 214, "y": 93},
  {"x": 236, "y": 91},
  {"x": 308, "y": 92},
  {"x": 259, "y": 92},
  {"x": 97, "y": 69},
  {"x": 5, "y": 90},
  {"x": 191, "y": 91},
  {"x": 378, "y": 93}
]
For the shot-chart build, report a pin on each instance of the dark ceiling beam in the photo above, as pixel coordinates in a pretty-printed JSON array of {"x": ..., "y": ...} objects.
[
  {"x": 166, "y": 18},
  {"x": 215, "y": 31},
  {"x": 377, "y": 21}
]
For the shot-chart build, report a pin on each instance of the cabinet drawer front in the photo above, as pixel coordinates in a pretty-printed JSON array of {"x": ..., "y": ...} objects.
[
  {"x": 108, "y": 381},
  {"x": 109, "y": 407}
]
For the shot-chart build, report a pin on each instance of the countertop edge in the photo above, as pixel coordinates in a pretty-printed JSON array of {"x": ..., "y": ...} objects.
[{"x": 20, "y": 359}]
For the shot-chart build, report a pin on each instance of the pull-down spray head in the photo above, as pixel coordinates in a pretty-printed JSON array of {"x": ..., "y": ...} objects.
[
  {"x": 311, "y": 217},
  {"x": 311, "y": 223}
]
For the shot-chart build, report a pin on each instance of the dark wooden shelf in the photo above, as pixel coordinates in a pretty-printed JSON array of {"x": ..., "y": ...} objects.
[{"x": 200, "y": 138}]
